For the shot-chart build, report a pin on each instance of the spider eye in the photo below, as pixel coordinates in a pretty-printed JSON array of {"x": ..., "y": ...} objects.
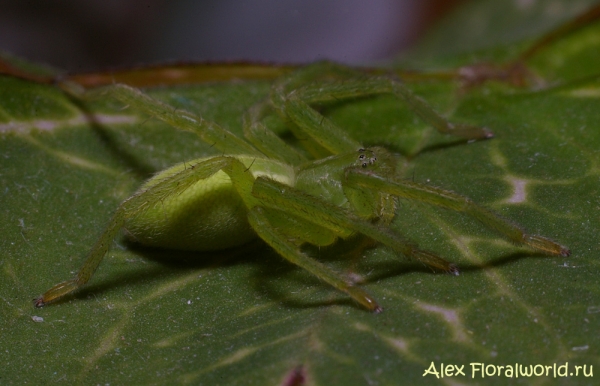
[
  {"x": 364, "y": 165},
  {"x": 362, "y": 156}
]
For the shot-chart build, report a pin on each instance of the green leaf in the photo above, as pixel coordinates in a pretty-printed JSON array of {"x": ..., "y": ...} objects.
[{"x": 248, "y": 317}]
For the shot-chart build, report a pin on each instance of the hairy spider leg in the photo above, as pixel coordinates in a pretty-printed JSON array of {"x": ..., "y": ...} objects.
[{"x": 456, "y": 202}]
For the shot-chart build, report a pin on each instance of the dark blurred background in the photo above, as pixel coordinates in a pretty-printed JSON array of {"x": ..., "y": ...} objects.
[{"x": 88, "y": 35}]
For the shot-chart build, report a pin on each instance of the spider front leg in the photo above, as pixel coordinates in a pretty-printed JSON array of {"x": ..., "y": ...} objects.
[
  {"x": 277, "y": 240},
  {"x": 456, "y": 202},
  {"x": 341, "y": 221}
]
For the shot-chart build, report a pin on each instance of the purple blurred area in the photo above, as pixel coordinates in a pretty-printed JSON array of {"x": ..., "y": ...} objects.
[{"x": 93, "y": 34}]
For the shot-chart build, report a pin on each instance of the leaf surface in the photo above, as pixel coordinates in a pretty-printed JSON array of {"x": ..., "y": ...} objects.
[{"x": 248, "y": 317}]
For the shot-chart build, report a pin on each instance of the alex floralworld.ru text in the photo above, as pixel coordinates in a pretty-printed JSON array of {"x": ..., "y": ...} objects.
[{"x": 481, "y": 370}]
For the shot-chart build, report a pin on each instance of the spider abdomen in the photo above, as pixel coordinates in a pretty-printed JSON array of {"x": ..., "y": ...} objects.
[{"x": 209, "y": 215}]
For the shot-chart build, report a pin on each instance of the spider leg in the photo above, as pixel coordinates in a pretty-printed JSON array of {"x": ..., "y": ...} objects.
[
  {"x": 309, "y": 121},
  {"x": 295, "y": 104},
  {"x": 456, "y": 202},
  {"x": 318, "y": 134},
  {"x": 138, "y": 203},
  {"x": 290, "y": 251},
  {"x": 353, "y": 88},
  {"x": 210, "y": 133},
  {"x": 341, "y": 221}
]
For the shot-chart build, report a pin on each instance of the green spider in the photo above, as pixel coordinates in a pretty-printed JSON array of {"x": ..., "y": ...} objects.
[{"x": 263, "y": 187}]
